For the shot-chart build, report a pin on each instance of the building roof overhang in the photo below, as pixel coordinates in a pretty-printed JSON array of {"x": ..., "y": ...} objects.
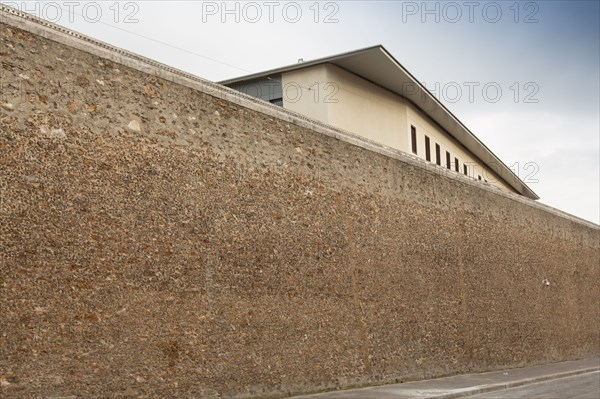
[{"x": 378, "y": 66}]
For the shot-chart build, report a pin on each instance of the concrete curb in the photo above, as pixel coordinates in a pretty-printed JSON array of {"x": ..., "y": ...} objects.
[{"x": 514, "y": 384}]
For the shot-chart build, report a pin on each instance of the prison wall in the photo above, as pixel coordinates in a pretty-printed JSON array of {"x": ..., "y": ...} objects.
[{"x": 161, "y": 240}]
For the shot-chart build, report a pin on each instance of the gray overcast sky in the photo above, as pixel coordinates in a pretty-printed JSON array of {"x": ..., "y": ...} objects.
[{"x": 522, "y": 75}]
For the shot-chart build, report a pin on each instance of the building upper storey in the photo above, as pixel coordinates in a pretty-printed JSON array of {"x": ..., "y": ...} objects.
[{"x": 367, "y": 92}]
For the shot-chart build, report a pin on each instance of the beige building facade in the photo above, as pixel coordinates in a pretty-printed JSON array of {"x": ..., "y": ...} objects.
[{"x": 391, "y": 108}]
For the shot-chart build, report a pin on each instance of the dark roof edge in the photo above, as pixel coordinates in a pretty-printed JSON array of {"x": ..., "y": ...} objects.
[{"x": 294, "y": 67}]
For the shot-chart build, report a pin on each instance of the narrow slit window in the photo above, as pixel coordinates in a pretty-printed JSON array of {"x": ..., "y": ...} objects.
[
  {"x": 427, "y": 149},
  {"x": 479, "y": 177},
  {"x": 413, "y": 137},
  {"x": 465, "y": 169},
  {"x": 438, "y": 157},
  {"x": 448, "y": 160},
  {"x": 456, "y": 164}
]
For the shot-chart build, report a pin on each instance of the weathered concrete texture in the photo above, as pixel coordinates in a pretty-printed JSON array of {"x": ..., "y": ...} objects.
[{"x": 157, "y": 242}]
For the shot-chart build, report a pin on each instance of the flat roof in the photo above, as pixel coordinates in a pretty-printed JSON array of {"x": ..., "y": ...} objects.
[{"x": 378, "y": 66}]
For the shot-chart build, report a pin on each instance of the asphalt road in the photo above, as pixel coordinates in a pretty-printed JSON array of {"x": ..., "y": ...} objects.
[{"x": 583, "y": 386}]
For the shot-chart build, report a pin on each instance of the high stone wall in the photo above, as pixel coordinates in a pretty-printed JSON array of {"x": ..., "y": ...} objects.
[{"x": 157, "y": 241}]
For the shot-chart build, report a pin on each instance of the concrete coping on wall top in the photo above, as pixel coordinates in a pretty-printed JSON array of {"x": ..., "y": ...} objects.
[{"x": 57, "y": 33}]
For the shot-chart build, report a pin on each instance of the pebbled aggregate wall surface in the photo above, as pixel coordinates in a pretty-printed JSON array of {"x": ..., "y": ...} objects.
[{"x": 159, "y": 242}]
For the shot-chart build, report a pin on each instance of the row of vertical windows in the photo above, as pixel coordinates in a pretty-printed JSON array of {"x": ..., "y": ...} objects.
[{"x": 438, "y": 157}]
